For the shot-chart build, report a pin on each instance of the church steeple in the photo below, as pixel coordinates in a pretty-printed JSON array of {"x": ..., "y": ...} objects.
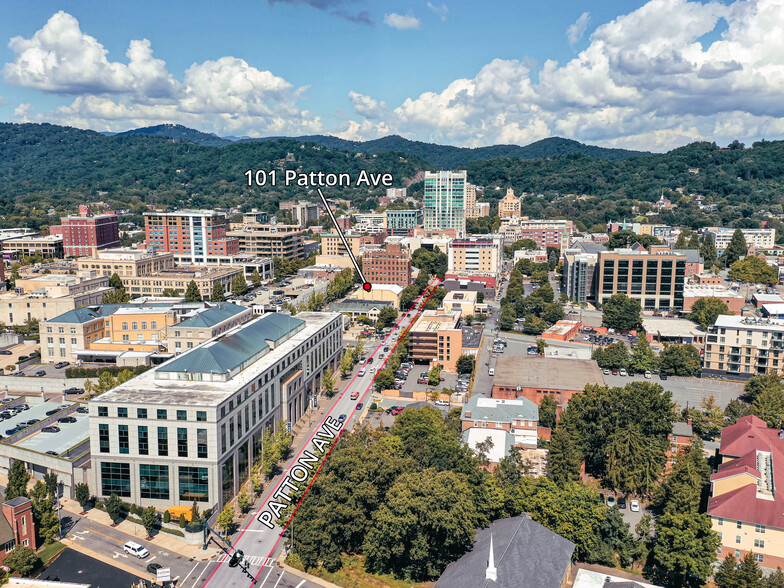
[{"x": 490, "y": 572}]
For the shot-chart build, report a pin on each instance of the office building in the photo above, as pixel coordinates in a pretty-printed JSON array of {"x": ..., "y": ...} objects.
[
  {"x": 391, "y": 265},
  {"x": 332, "y": 244},
  {"x": 509, "y": 205},
  {"x": 579, "y": 271},
  {"x": 437, "y": 338},
  {"x": 17, "y": 309},
  {"x": 126, "y": 262},
  {"x": 256, "y": 216},
  {"x": 190, "y": 429},
  {"x": 178, "y": 278},
  {"x": 48, "y": 246},
  {"x": 445, "y": 201},
  {"x": 655, "y": 277},
  {"x": 304, "y": 212},
  {"x": 84, "y": 235},
  {"x": 269, "y": 240},
  {"x": 547, "y": 233},
  {"x": 475, "y": 254},
  {"x": 740, "y": 347},
  {"x": 759, "y": 238},
  {"x": 194, "y": 236},
  {"x": 399, "y": 223},
  {"x": 370, "y": 223}
]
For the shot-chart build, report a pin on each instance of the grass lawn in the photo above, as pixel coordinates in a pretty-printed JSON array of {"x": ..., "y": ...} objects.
[
  {"x": 353, "y": 575},
  {"x": 49, "y": 552}
]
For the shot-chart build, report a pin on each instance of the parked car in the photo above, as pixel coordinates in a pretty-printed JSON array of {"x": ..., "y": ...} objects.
[
  {"x": 134, "y": 548},
  {"x": 13, "y": 431},
  {"x": 40, "y": 373},
  {"x": 359, "y": 406},
  {"x": 606, "y": 372},
  {"x": 662, "y": 376},
  {"x": 51, "y": 429},
  {"x": 621, "y": 502},
  {"x": 5, "y": 352},
  {"x": 68, "y": 419},
  {"x": 53, "y": 411},
  {"x": 61, "y": 364},
  {"x": 73, "y": 390},
  {"x": 52, "y": 453},
  {"x": 648, "y": 375},
  {"x": 23, "y": 406},
  {"x": 610, "y": 501},
  {"x": 83, "y": 410},
  {"x": 622, "y": 372},
  {"x": 634, "y": 506},
  {"x": 153, "y": 568},
  {"x": 23, "y": 358}
]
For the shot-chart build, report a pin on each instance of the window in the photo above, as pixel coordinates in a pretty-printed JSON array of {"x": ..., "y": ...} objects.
[
  {"x": 122, "y": 433},
  {"x": 739, "y": 524},
  {"x": 161, "y": 414},
  {"x": 737, "y": 539},
  {"x": 223, "y": 439},
  {"x": 122, "y": 413},
  {"x": 758, "y": 558},
  {"x": 201, "y": 443},
  {"x": 144, "y": 325},
  {"x": 163, "y": 441},
  {"x": 144, "y": 441},
  {"x": 153, "y": 324},
  {"x": 182, "y": 415},
  {"x": 194, "y": 484},
  {"x": 759, "y": 528},
  {"x": 141, "y": 413},
  {"x": 759, "y": 543},
  {"x": 737, "y": 554},
  {"x": 154, "y": 481},
  {"x": 134, "y": 326},
  {"x": 201, "y": 415},
  {"x": 182, "y": 442},
  {"x": 115, "y": 479},
  {"x": 125, "y": 326},
  {"x": 103, "y": 411},
  {"x": 103, "y": 438}
]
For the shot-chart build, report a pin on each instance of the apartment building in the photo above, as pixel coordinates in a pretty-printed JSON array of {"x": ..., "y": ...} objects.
[
  {"x": 437, "y": 338},
  {"x": 370, "y": 223},
  {"x": 655, "y": 277},
  {"x": 579, "y": 271},
  {"x": 256, "y": 216},
  {"x": 475, "y": 254},
  {"x": 178, "y": 278},
  {"x": 48, "y": 246},
  {"x": 194, "y": 236},
  {"x": 507, "y": 422},
  {"x": 127, "y": 262},
  {"x": 269, "y": 240},
  {"x": 202, "y": 324},
  {"x": 391, "y": 265},
  {"x": 332, "y": 244},
  {"x": 400, "y": 222},
  {"x": 759, "y": 238},
  {"x": 509, "y": 205},
  {"x": 741, "y": 347},
  {"x": 190, "y": 429},
  {"x": 84, "y": 235},
  {"x": 444, "y": 201},
  {"x": 304, "y": 212},
  {"x": 16, "y": 309},
  {"x": 746, "y": 500},
  {"x": 547, "y": 233}
]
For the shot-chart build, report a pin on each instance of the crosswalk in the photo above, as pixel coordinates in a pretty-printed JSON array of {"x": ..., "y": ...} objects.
[{"x": 249, "y": 560}]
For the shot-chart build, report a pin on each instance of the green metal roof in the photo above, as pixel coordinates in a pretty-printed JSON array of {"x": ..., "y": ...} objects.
[
  {"x": 212, "y": 316},
  {"x": 233, "y": 353},
  {"x": 85, "y": 314}
]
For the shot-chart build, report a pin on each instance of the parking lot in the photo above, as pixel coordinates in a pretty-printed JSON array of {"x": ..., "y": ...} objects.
[
  {"x": 687, "y": 391},
  {"x": 384, "y": 419}
]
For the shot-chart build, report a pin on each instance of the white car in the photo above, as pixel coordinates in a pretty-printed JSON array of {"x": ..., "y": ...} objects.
[
  {"x": 647, "y": 375},
  {"x": 372, "y": 370},
  {"x": 634, "y": 506},
  {"x": 622, "y": 372},
  {"x": 135, "y": 549}
]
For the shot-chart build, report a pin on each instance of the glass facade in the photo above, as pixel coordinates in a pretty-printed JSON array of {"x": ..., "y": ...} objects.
[
  {"x": 242, "y": 461},
  {"x": 228, "y": 479},
  {"x": 201, "y": 443},
  {"x": 115, "y": 479},
  {"x": 124, "y": 443},
  {"x": 154, "y": 481},
  {"x": 194, "y": 484}
]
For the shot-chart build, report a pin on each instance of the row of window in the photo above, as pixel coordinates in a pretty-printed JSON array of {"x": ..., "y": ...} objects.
[
  {"x": 143, "y": 441},
  {"x": 135, "y": 325},
  {"x": 739, "y": 524},
  {"x": 161, "y": 413},
  {"x": 154, "y": 482}
]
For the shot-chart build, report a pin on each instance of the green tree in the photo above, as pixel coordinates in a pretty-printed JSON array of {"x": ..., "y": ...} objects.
[
  {"x": 769, "y": 405},
  {"x": 727, "y": 575},
  {"x": 426, "y": 521},
  {"x": 633, "y": 462},
  {"x": 680, "y": 360},
  {"x": 775, "y": 579},
  {"x": 683, "y": 486},
  {"x": 685, "y": 548},
  {"x": 170, "y": 293},
  {"x": 621, "y": 312},
  {"x": 434, "y": 376},
  {"x": 507, "y": 317},
  {"x": 734, "y": 410},
  {"x": 116, "y": 282},
  {"x": 18, "y": 477},
  {"x": 465, "y": 364},
  {"x": 547, "y": 411},
  {"x": 22, "y": 560},
  {"x": 45, "y": 518},
  {"x": 114, "y": 508},
  {"x": 614, "y": 356},
  {"x": 346, "y": 363},
  {"x": 694, "y": 242},
  {"x": 553, "y": 312},
  {"x": 218, "y": 293},
  {"x": 643, "y": 358},
  {"x": 386, "y": 317},
  {"x": 541, "y": 345},
  {"x": 119, "y": 296},
  {"x": 195, "y": 512},
  {"x": 192, "y": 293},
  {"x": 753, "y": 270},
  {"x": 385, "y": 379},
  {"x": 328, "y": 383},
  {"x": 705, "y": 311},
  {"x": 749, "y": 572},
  {"x": 759, "y": 383},
  {"x": 735, "y": 249},
  {"x": 408, "y": 296},
  {"x": 255, "y": 278},
  {"x": 243, "y": 501},
  {"x": 708, "y": 251},
  {"x": 680, "y": 242},
  {"x": 564, "y": 459},
  {"x": 150, "y": 518},
  {"x": 82, "y": 492},
  {"x": 226, "y": 518},
  {"x": 238, "y": 285}
]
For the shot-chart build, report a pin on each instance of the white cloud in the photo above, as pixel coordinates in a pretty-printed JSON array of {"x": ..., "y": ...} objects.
[
  {"x": 440, "y": 11},
  {"x": 576, "y": 30},
  {"x": 366, "y": 106},
  {"x": 400, "y": 21},
  {"x": 22, "y": 111}
]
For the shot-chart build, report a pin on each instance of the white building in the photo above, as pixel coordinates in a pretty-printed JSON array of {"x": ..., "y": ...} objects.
[
  {"x": 190, "y": 429},
  {"x": 759, "y": 238},
  {"x": 370, "y": 223}
]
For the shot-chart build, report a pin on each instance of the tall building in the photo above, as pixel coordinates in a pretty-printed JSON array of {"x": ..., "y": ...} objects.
[
  {"x": 547, "y": 233},
  {"x": 270, "y": 240},
  {"x": 332, "y": 244},
  {"x": 475, "y": 254},
  {"x": 84, "y": 235},
  {"x": 194, "y": 236},
  {"x": 655, "y": 277},
  {"x": 445, "y": 200},
  {"x": 400, "y": 222},
  {"x": 304, "y": 212},
  {"x": 509, "y": 205},
  {"x": 371, "y": 223},
  {"x": 391, "y": 265},
  {"x": 191, "y": 428},
  {"x": 437, "y": 338},
  {"x": 579, "y": 265}
]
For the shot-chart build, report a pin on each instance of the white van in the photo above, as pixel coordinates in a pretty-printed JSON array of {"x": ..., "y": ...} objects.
[
  {"x": 491, "y": 372},
  {"x": 442, "y": 403}
]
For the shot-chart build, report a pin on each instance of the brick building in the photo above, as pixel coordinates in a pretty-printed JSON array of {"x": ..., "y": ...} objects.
[
  {"x": 85, "y": 235},
  {"x": 391, "y": 265},
  {"x": 16, "y": 526},
  {"x": 194, "y": 236}
]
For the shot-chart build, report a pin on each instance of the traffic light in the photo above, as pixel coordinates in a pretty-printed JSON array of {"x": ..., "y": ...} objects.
[{"x": 236, "y": 559}]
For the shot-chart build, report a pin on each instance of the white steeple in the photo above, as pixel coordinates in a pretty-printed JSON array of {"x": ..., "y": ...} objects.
[{"x": 490, "y": 572}]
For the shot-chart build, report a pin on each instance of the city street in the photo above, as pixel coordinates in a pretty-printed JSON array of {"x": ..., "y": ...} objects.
[{"x": 262, "y": 545}]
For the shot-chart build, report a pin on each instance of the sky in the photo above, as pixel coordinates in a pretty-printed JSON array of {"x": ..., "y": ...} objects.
[{"x": 618, "y": 73}]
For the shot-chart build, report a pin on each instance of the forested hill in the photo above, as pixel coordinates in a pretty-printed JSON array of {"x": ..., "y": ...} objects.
[
  {"x": 448, "y": 157},
  {"x": 180, "y": 132},
  {"x": 43, "y": 166}
]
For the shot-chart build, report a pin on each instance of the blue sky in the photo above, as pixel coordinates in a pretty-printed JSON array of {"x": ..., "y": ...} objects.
[{"x": 632, "y": 74}]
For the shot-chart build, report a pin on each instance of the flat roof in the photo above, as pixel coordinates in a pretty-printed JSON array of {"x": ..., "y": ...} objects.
[
  {"x": 70, "y": 434},
  {"x": 671, "y": 327},
  {"x": 547, "y": 373},
  {"x": 432, "y": 321},
  {"x": 706, "y": 291},
  {"x": 749, "y": 323}
]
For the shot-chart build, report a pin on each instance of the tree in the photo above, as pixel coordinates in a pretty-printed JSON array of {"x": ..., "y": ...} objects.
[
  {"x": 769, "y": 405},
  {"x": 328, "y": 383},
  {"x": 685, "y": 548},
  {"x": 47, "y": 525},
  {"x": 564, "y": 459},
  {"x": 119, "y": 296},
  {"x": 759, "y": 383},
  {"x": 621, "y": 312},
  {"x": 434, "y": 376},
  {"x": 705, "y": 311},
  {"x": 553, "y": 312},
  {"x": 386, "y": 317},
  {"x": 18, "y": 477},
  {"x": 727, "y": 574},
  {"x": 547, "y": 411},
  {"x": 255, "y": 278},
  {"x": 150, "y": 518},
  {"x": 634, "y": 462},
  {"x": 643, "y": 358},
  {"x": 680, "y": 360},
  {"x": 52, "y": 483},
  {"x": 534, "y": 325},
  {"x": 775, "y": 579},
  {"x": 116, "y": 282},
  {"x": 680, "y": 242},
  {"x": 480, "y": 297},
  {"x": 192, "y": 292},
  {"x": 541, "y": 345},
  {"x": 694, "y": 242},
  {"x": 346, "y": 363},
  {"x": 735, "y": 249},
  {"x": 385, "y": 379},
  {"x": 465, "y": 364},
  {"x": 194, "y": 512},
  {"x": 749, "y": 573},
  {"x": 753, "y": 270},
  {"x": 183, "y": 522},
  {"x": 238, "y": 286},
  {"x": 114, "y": 508},
  {"x": 218, "y": 293},
  {"x": 170, "y": 293},
  {"x": 226, "y": 518},
  {"x": 734, "y": 410},
  {"x": 21, "y": 560},
  {"x": 683, "y": 486},
  {"x": 506, "y": 318},
  {"x": 614, "y": 356},
  {"x": 408, "y": 296},
  {"x": 82, "y": 492},
  {"x": 243, "y": 501},
  {"x": 708, "y": 251}
]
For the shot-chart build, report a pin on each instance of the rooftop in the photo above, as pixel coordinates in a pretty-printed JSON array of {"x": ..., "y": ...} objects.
[
  {"x": 671, "y": 327},
  {"x": 749, "y": 323},
  {"x": 358, "y": 305},
  {"x": 212, "y": 316},
  {"x": 547, "y": 373},
  {"x": 431, "y": 321},
  {"x": 498, "y": 410},
  {"x": 697, "y": 291}
]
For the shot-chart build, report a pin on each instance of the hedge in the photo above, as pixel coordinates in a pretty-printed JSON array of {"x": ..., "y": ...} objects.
[{"x": 79, "y": 372}]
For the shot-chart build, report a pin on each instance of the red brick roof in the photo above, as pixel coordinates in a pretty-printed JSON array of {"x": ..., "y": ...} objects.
[{"x": 748, "y": 433}]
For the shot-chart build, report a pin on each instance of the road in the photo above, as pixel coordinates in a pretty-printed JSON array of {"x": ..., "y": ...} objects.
[{"x": 262, "y": 545}]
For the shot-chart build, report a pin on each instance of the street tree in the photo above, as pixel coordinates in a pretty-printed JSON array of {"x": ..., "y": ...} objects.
[
  {"x": 643, "y": 358},
  {"x": 385, "y": 379},
  {"x": 541, "y": 345},
  {"x": 192, "y": 292},
  {"x": 705, "y": 311},
  {"x": 386, "y": 317},
  {"x": 150, "y": 520},
  {"x": 328, "y": 383},
  {"x": 243, "y": 501},
  {"x": 434, "y": 376},
  {"x": 114, "y": 508},
  {"x": 614, "y": 356},
  {"x": 47, "y": 524},
  {"x": 735, "y": 249},
  {"x": 82, "y": 492},
  {"x": 680, "y": 360},
  {"x": 226, "y": 518},
  {"x": 506, "y": 318},
  {"x": 346, "y": 363},
  {"x": 621, "y": 312},
  {"x": 218, "y": 293},
  {"x": 238, "y": 285},
  {"x": 255, "y": 278}
]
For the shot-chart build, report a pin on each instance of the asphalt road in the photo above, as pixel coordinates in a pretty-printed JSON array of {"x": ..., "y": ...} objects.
[
  {"x": 73, "y": 566},
  {"x": 260, "y": 544}
]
